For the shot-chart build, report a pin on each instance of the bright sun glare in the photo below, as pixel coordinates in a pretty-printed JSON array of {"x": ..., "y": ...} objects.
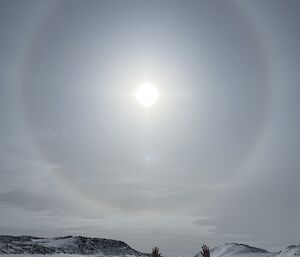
[{"x": 146, "y": 94}]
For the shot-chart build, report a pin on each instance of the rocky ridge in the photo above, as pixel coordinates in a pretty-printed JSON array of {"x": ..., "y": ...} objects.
[{"x": 65, "y": 245}]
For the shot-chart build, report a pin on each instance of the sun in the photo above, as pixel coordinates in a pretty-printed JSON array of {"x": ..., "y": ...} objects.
[{"x": 146, "y": 94}]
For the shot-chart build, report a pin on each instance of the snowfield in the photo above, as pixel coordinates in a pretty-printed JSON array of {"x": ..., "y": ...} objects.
[
  {"x": 69, "y": 246},
  {"x": 242, "y": 250},
  {"x": 62, "y": 255}
]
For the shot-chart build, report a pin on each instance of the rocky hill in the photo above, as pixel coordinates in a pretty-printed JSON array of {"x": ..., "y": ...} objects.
[{"x": 66, "y": 245}]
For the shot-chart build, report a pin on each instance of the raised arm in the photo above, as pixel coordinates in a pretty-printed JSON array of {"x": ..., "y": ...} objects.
[
  {"x": 205, "y": 251},
  {"x": 155, "y": 252}
]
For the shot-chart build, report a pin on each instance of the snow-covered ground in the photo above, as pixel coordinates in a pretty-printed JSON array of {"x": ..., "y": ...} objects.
[
  {"x": 241, "y": 250},
  {"x": 43, "y": 255},
  {"x": 56, "y": 243},
  {"x": 65, "y": 245},
  {"x": 62, "y": 255},
  {"x": 290, "y": 251},
  {"x": 26, "y": 246}
]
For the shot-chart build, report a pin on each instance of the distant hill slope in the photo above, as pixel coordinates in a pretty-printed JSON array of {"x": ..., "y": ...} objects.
[
  {"x": 67, "y": 245},
  {"x": 243, "y": 250},
  {"x": 290, "y": 251},
  {"x": 237, "y": 249},
  {"x": 78, "y": 245}
]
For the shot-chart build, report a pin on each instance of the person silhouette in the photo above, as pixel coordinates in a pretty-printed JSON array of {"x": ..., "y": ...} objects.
[
  {"x": 155, "y": 252},
  {"x": 205, "y": 251}
]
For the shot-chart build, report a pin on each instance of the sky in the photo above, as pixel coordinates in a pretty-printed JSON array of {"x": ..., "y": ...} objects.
[{"x": 215, "y": 159}]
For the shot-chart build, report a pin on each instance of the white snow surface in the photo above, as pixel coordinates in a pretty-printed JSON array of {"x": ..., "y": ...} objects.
[
  {"x": 234, "y": 249},
  {"x": 60, "y": 242},
  {"x": 120, "y": 249},
  {"x": 62, "y": 255},
  {"x": 68, "y": 245},
  {"x": 242, "y": 250},
  {"x": 290, "y": 251}
]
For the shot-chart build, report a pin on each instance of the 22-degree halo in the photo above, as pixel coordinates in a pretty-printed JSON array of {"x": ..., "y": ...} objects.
[{"x": 146, "y": 94}]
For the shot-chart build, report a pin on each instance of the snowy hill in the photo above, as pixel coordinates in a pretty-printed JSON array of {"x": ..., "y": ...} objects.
[
  {"x": 70, "y": 246},
  {"x": 66, "y": 245},
  {"x": 242, "y": 250},
  {"x": 292, "y": 250},
  {"x": 230, "y": 249}
]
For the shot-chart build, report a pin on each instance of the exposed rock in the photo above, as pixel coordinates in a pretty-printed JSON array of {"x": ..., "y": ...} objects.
[{"x": 68, "y": 245}]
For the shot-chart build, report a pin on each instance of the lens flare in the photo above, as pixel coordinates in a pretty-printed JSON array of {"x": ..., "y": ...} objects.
[{"x": 146, "y": 94}]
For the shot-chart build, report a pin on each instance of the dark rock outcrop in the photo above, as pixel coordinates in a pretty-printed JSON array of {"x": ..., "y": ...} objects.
[{"x": 68, "y": 245}]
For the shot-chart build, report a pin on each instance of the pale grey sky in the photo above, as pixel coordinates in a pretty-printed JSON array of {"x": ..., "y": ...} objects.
[{"x": 214, "y": 160}]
